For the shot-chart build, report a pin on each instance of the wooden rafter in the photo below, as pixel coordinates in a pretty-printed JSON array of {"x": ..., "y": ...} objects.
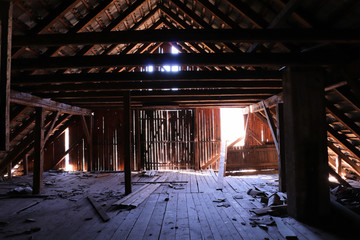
[
  {"x": 30, "y": 100},
  {"x": 355, "y": 167},
  {"x": 343, "y": 142}
]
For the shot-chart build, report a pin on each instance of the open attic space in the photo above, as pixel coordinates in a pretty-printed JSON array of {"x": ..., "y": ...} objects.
[{"x": 112, "y": 121}]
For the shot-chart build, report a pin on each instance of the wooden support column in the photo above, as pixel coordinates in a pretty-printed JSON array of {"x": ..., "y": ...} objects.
[
  {"x": 139, "y": 164},
  {"x": 9, "y": 170},
  {"x": 5, "y": 72},
  {"x": 196, "y": 140},
  {"x": 281, "y": 142},
  {"x": 38, "y": 150},
  {"x": 26, "y": 164},
  {"x": 89, "y": 141},
  {"x": 127, "y": 142},
  {"x": 305, "y": 151},
  {"x": 338, "y": 165}
]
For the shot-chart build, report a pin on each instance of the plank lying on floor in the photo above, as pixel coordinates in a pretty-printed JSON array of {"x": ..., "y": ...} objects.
[
  {"x": 99, "y": 209},
  {"x": 284, "y": 230},
  {"x": 136, "y": 198}
]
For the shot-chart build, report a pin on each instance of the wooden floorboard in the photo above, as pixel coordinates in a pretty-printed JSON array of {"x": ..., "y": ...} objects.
[{"x": 172, "y": 211}]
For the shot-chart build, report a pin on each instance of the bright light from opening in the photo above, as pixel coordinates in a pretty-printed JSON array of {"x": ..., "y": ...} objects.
[
  {"x": 175, "y": 68},
  {"x": 150, "y": 68},
  {"x": 68, "y": 167},
  {"x": 232, "y": 125},
  {"x": 165, "y": 68},
  {"x": 174, "y": 50}
]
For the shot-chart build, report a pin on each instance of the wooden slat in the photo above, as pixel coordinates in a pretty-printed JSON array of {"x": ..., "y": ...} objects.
[
  {"x": 271, "y": 126},
  {"x": 344, "y": 157}
]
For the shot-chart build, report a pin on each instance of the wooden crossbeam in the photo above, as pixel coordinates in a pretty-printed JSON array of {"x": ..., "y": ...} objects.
[
  {"x": 215, "y": 59},
  {"x": 63, "y": 155},
  {"x": 145, "y": 76},
  {"x": 162, "y": 93},
  {"x": 53, "y": 120},
  {"x": 344, "y": 36},
  {"x": 30, "y": 100},
  {"x": 152, "y": 85},
  {"x": 270, "y": 102}
]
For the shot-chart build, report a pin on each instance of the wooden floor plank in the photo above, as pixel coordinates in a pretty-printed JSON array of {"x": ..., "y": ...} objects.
[
  {"x": 182, "y": 229},
  {"x": 193, "y": 218},
  {"x": 208, "y": 231},
  {"x": 169, "y": 223},
  {"x": 193, "y": 184},
  {"x": 153, "y": 228},
  {"x": 138, "y": 231},
  {"x": 222, "y": 221}
]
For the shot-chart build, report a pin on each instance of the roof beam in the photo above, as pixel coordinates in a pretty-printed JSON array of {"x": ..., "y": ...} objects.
[
  {"x": 139, "y": 85},
  {"x": 145, "y": 76},
  {"x": 191, "y": 35},
  {"x": 215, "y": 59},
  {"x": 30, "y": 100}
]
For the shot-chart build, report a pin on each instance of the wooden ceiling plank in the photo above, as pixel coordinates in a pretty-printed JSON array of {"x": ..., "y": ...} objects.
[{"x": 343, "y": 142}]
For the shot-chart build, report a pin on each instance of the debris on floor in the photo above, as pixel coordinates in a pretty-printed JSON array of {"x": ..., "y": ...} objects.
[
  {"x": 21, "y": 190},
  {"x": 348, "y": 196}
]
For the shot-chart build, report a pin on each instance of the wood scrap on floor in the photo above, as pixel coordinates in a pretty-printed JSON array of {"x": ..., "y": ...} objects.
[
  {"x": 99, "y": 209},
  {"x": 102, "y": 175},
  {"x": 134, "y": 199},
  {"x": 286, "y": 232}
]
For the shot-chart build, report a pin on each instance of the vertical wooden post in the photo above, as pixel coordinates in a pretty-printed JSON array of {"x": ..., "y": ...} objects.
[
  {"x": 26, "y": 164},
  {"x": 281, "y": 142},
  {"x": 139, "y": 163},
  {"x": 127, "y": 142},
  {"x": 306, "y": 150},
  {"x": 38, "y": 153},
  {"x": 9, "y": 170},
  {"x": 196, "y": 140},
  {"x": 338, "y": 165},
  {"x": 5, "y": 71}
]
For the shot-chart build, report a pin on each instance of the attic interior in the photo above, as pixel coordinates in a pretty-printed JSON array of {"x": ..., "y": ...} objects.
[{"x": 111, "y": 119}]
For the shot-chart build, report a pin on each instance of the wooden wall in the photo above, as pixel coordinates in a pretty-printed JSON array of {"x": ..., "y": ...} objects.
[
  {"x": 108, "y": 138},
  {"x": 258, "y": 152},
  {"x": 161, "y": 139},
  {"x": 208, "y": 135},
  {"x": 166, "y": 139}
]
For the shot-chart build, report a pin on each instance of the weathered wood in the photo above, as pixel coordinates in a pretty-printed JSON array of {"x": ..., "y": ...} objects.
[
  {"x": 63, "y": 155},
  {"x": 270, "y": 102},
  {"x": 31, "y": 100},
  {"x": 127, "y": 142},
  {"x": 342, "y": 140},
  {"x": 99, "y": 209},
  {"x": 338, "y": 178},
  {"x": 341, "y": 117},
  {"x": 26, "y": 164},
  {"x": 38, "y": 150},
  {"x": 304, "y": 121},
  {"x": 272, "y": 127},
  {"x": 51, "y": 127},
  {"x": 6, "y": 8},
  {"x": 282, "y": 145},
  {"x": 284, "y": 230},
  {"x": 341, "y": 155},
  {"x": 211, "y": 161},
  {"x": 191, "y": 59},
  {"x": 345, "y": 36}
]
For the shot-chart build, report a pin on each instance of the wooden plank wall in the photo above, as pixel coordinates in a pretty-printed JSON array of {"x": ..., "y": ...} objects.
[
  {"x": 258, "y": 152},
  {"x": 209, "y": 134},
  {"x": 260, "y": 129},
  {"x": 166, "y": 139},
  {"x": 108, "y": 139}
]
